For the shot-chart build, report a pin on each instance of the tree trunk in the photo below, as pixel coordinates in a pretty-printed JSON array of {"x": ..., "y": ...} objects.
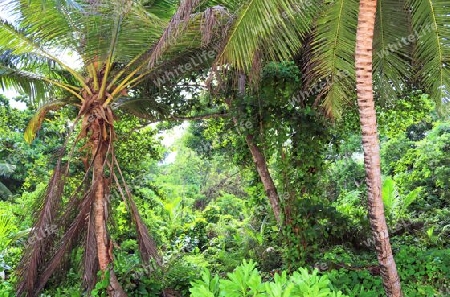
[
  {"x": 260, "y": 160},
  {"x": 100, "y": 146},
  {"x": 266, "y": 178},
  {"x": 363, "y": 61}
]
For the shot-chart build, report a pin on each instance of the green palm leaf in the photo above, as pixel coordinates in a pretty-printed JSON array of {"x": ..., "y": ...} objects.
[
  {"x": 36, "y": 121},
  {"x": 333, "y": 74},
  {"x": 432, "y": 52},
  {"x": 276, "y": 26},
  {"x": 392, "y": 48},
  {"x": 20, "y": 41}
]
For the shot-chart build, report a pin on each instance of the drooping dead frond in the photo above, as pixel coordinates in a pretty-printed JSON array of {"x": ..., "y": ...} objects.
[
  {"x": 67, "y": 242},
  {"x": 177, "y": 24},
  {"x": 41, "y": 235},
  {"x": 147, "y": 246},
  {"x": 209, "y": 22},
  {"x": 90, "y": 258}
]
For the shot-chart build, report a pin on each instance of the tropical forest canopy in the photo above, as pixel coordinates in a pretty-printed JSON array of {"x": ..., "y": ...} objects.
[{"x": 224, "y": 148}]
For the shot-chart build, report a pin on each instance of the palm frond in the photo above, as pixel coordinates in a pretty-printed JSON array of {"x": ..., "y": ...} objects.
[
  {"x": 41, "y": 78},
  {"x": 333, "y": 77},
  {"x": 391, "y": 62},
  {"x": 40, "y": 242},
  {"x": 195, "y": 33},
  {"x": 147, "y": 246},
  {"x": 177, "y": 25},
  {"x": 132, "y": 28},
  {"x": 90, "y": 257},
  {"x": 259, "y": 24},
  {"x": 23, "y": 82},
  {"x": 23, "y": 41},
  {"x": 67, "y": 242},
  {"x": 36, "y": 121},
  {"x": 430, "y": 18}
]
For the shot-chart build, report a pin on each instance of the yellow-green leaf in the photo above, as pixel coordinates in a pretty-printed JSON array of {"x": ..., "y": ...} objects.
[{"x": 36, "y": 121}]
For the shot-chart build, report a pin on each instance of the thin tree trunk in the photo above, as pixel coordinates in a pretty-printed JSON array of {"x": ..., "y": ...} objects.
[
  {"x": 363, "y": 61},
  {"x": 104, "y": 248},
  {"x": 260, "y": 161},
  {"x": 266, "y": 178}
]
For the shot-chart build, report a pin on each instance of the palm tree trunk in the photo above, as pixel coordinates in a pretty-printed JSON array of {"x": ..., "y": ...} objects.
[
  {"x": 100, "y": 146},
  {"x": 367, "y": 114},
  {"x": 99, "y": 206}
]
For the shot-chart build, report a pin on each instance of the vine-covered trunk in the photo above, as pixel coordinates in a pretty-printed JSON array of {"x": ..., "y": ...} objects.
[
  {"x": 266, "y": 178},
  {"x": 363, "y": 61},
  {"x": 101, "y": 143},
  {"x": 260, "y": 161}
]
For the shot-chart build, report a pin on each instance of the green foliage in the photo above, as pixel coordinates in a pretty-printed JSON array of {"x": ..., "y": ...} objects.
[
  {"x": 246, "y": 280},
  {"x": 424, "y": 272},
  {"x": 354, "y": 224},
  {"x": 100, "y": 289},
  {"x": 427, "y": 165},
  {"x": 398, "y": 116},
  {"x": 396, "y": 205},
  {"x": 23, "y": 164}
]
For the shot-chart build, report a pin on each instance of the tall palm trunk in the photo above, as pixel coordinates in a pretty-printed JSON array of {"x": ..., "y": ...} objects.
[
  {"x": 363, "y": 60},
  {"x": 100, "y": 145}
]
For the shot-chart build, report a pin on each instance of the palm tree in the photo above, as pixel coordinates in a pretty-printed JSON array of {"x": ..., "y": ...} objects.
[
  {"x": 124, "y": 49},
  {"x": 363, "y": 61},
  {"x": 411, "y": 50}
]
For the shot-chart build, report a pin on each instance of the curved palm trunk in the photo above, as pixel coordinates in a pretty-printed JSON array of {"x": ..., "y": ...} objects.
[
  {"x": 363, "y": 60},
  {"x": 100, "y": 144}
]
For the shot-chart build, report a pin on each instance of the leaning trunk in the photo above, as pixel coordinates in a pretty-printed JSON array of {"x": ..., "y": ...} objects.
[
  {"x": 101, "y": 143},
  {"x": 260, "y": 161},
  {"x": 363, "y": 59},
  {"x": 266, "y": 178}
]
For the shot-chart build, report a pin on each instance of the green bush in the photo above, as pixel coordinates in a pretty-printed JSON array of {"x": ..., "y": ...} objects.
[
  {"x": 423, "y": 272},
  {"x": 427, "y": 166},
  {"x": 246, "y": 281}
]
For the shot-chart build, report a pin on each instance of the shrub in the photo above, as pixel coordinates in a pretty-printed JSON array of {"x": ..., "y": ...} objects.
[{"x": 246, "y": 281}]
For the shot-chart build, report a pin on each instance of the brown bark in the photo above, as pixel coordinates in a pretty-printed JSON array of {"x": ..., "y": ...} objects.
[
  {"x": 99, "y": 207},
  {"x": 266, "y": 178},
  {"x": 260, "y": 161},
  {"x": 104, "y": 248},
  {"x": 363, "y": 61}
]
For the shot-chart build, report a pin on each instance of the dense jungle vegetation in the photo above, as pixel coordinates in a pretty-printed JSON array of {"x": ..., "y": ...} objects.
[
  {"x": 224, "y": 148},
  {"x": 207, "y": 211}
]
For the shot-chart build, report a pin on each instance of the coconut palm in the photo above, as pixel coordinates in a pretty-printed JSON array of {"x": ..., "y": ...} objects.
[
  {"x": 411, "y": 45},
  {"x": 122, "y": 48},
  {"x": 363, "y": 60}
]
